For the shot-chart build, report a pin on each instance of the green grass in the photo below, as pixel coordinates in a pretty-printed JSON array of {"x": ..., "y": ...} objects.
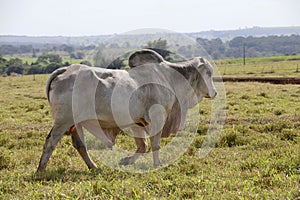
[
  {"x": 257, "y": 156},
  {"x": 261, "y": 69},
  {"x": 283, "y": 66},
  {"x": 260, "y": 59}
]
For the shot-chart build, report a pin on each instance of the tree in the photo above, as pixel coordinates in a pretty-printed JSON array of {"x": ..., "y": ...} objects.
[
  {"x": 90, "y": 47},
  {"x": 157, "y": 44},
  {"x": 85, "y": 62},
  {"x": 66, "y": 64},
  {"x": 100, "y": 60},
  {"x": 15, "y": 69},
  {"x": 8, "y": 50},
  {"x": 25, "y": 49},
  {"x": 73, "y": 56},
  {"x": 49, "y": 58},
  {"x": 35, "y": 70},
  {"x": 214, "y": 47},
  {"x": 33, "y": 53},
  {"x": 116, "y": 64},
  {"x": 15, "y": 65},
  {"x": 237, "y": 42},
  {"x": 161, "y": 47},
  {"x": 67, "y": 48},
  {"x": 46, "y": 64},
  {"x": 3, "y": 63},
  {"x": 163, "y": 52},
  {"x": 78, "y": 55},
  {"x": 51, "y": 67}
]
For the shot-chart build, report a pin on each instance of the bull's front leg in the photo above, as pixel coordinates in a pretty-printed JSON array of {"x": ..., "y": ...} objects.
[
  {"x": 141, "y": 143},
  {"x": 155, "y": 145},
  {"x": 157, "y": 119}
]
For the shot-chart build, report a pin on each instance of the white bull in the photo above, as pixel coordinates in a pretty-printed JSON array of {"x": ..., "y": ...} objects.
[{"x": 151, "y": 98}]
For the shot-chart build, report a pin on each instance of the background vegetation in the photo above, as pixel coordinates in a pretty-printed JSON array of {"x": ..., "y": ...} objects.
[
  {"x": 31, "y": 59},
  {"x": 254, "y": 46}
]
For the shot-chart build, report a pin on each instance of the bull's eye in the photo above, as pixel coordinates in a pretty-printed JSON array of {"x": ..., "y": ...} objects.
[{"x": 209, "y": 73}]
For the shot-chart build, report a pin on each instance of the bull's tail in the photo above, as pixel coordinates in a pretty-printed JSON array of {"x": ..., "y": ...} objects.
[{"x": 52, "y": 77}]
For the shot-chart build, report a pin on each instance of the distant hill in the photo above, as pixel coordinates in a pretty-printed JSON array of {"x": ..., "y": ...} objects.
[
  {"x": 52, "y": 40},
  {"x": 255, "y": 32},
  {"x": 96, "y": 40}
]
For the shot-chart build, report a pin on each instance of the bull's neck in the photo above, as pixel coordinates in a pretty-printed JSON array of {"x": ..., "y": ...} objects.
[{"x": 186, "y": 68}]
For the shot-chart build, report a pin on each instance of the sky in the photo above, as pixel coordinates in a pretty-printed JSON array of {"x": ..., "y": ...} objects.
[{"x": 97, "y": 17}]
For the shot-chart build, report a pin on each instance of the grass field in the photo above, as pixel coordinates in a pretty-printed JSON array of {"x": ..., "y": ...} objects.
[
  {"x": 257, "y": 156},
  {"x": 260, "y": 59},
  {"x": 260, "y": 68}
]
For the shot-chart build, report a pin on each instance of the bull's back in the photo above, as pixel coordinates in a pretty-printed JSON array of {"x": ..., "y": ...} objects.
[{"x": 52, "y": 76}]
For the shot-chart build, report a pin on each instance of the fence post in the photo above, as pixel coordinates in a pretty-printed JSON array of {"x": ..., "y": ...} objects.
[{"x": 244, "y": 53}]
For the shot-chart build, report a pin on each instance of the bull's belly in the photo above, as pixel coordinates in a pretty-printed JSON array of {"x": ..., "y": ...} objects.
[{"x": 106, "y": 118}]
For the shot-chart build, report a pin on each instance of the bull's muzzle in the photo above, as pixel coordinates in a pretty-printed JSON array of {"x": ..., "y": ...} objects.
[{"x": 212, "y": 95}]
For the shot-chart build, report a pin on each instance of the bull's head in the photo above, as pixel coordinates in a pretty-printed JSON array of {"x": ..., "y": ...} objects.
[
  {"x": 204, "y": 85},
  {"x": 210, "y": 89}
]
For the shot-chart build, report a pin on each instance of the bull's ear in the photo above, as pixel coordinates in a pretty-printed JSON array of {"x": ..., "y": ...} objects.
[
  {"x": 144, "y": 56},
  {"x": 202, "y": 60},
  {"x": 199, "y": 62}
]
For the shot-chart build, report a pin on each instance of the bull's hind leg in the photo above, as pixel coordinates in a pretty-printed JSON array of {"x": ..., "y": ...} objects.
[
  {"x": 155, "y": 145},
  {"x": 141, "y": 143},
  {"x": 52, "y": 139},
  {"x": 79, "y": 144}
]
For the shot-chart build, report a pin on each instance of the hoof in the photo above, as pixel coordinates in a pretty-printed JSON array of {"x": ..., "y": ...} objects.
[
  {"x": 127, "y": 161},
  {"x": 93, "y": 168},
  {"x": 157, "y": 165},
  {"x": 40, "y": 170}
]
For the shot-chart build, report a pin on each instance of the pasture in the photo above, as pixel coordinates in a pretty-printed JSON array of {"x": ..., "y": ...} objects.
[
  {"x": 260, "y": 68},
  {"x": 257, "y": 156}
]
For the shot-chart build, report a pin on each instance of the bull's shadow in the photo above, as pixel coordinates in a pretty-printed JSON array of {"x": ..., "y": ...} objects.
[{"x": 65, "y": 175}]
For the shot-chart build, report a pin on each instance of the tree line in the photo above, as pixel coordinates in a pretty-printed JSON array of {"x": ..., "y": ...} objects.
[
  {"x": 73, "y": 51},
  {"x": 216, "y": 48},
  {"x": 254, "y": 46},
  {"x": 47, "y": 63},
  {"x": 44, "y": 64}
]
